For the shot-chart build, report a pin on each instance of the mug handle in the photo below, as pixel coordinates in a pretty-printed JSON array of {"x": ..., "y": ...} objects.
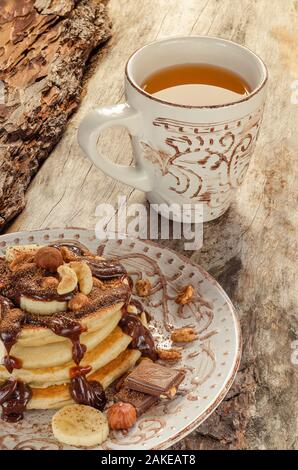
[{"x": 91, "y": 127}]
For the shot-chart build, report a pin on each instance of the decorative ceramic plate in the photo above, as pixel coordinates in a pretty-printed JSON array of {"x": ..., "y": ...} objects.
[{"x": 210, "y": 363}]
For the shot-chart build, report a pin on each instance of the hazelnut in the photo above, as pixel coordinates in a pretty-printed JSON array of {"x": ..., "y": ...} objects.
[
  {"x": 143, "y": 287},
  {"x": 78, "y": 301},
  {"x": 48, "y": 258},
  {"x": 121, "y": 416},
  {"x": 184, "y": 335},
  {"x": 169, "y": 354},
  {"x": 185, "y": 296},
  {"x": 49, "y": 282}
]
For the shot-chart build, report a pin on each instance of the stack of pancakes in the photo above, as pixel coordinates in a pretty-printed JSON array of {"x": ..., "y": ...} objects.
[{"x": 46, "y": 359}]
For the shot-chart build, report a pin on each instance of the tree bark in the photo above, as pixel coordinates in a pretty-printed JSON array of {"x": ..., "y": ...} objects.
[{"x": 44, "y": 47}]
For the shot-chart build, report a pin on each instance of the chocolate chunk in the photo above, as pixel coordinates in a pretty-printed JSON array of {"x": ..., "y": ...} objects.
[
  {"x": 141, "y": 401},
  {"x": 154, "y": 379}
]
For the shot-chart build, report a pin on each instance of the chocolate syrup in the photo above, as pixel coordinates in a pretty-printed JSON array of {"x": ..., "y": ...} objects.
[
  {"x": 14, "y": 394},
  {"x": 11, "y": 363},
  {"x": 7, "y": 389},
  {"x": 71, "y": 329},
  {"x": 45, "y": 296},
  {"x": 10, "y": 327},
  {"x": 141, "y": 336},
  {"x": 76, "y": 249},
  {"x": 106, "y": 270},
  {"x": 15, "y": 400},
  {"x": 81, "y": 390},
  {"x": 87, "y": 392},
  {"x": 79, "y": 370}
]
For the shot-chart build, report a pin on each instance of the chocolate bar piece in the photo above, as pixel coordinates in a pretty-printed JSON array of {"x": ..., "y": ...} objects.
[
  {"x": 154, "y": 379},
  {"x": 141, "y": 401}
]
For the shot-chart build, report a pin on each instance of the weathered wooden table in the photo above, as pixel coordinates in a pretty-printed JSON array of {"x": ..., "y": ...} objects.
[{"x": 251, "y": 250}]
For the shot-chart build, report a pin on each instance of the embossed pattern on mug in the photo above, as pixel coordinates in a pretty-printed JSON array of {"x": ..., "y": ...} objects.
[{"x": 196, "y": 151}]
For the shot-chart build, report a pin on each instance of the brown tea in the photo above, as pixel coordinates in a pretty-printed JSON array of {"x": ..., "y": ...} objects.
[{"x": 196, "y": 85}]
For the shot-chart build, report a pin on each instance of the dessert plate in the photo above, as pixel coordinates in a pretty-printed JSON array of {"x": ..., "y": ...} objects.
[{"x": 210, "y": 363}]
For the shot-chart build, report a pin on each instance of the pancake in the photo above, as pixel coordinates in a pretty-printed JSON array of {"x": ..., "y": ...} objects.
[
  {"x": 40, "y": 336},
  {"x": 97, "y": 357},
  {"x": 60, "y": 311},
  {"x": 55, "y": 354},
  {"x": 26, "y": 280},
  {"x": 57, "y": 396}
]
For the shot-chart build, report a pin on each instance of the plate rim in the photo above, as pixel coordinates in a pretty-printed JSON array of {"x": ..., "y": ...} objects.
[{"x": 237, "y": 359}]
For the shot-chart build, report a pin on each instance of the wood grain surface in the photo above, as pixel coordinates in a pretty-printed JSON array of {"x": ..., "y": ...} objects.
[{"x": 252, "y": 249}]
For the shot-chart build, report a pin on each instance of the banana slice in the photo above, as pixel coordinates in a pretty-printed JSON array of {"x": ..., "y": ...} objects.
[
  {"x": 40, "y": 307},
  {"x": 80, "y": 425},
  {"x": 13, "y": 251}
]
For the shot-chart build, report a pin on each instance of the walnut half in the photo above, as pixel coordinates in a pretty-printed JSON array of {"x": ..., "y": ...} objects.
[
  {"x": 169, "y": 354},
  {"x": 184, "y": 335},
  {"x": 143, "y": 287},
  {"x": 185, "y": 296}
]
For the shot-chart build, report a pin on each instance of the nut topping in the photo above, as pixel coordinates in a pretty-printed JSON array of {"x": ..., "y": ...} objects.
[
  {"x": 67, "y": 254},
  {"x": 184, "y": 335},
  {"x": 131, "y": 308},
  {"x": 49, "y": 282},
  {"x": 78, "y": 302},
  {"x": 68, "y": 281},
  {"x": 20, "y": 260},
  {"x": 121, "y": 416},
  {"x": 48, "y": 258},
  {"x": 13, "y": 251},
  {"x": 98, "y": 283},
  {"x": 185, "y": 296},
  {"x": 170, "y": 394},
  {"x": 169, "y": 354},
  {"x": 84, "y": 276},
  {"x": 143, "y": 287}
]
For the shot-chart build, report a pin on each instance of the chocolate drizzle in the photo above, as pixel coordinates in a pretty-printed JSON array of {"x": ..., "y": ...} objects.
[
  {"x": 71, "y": 329},
  {"x": 141, "y": 336},
  {"x": 76, "y": 248},
  {"x": 101, "y": 269},
  {"x": 10, "y": 327},
  {"x": 81, "y": 390},
  {"x": 87, "y": 392},
  {"x": 14, "y": 394},
  {"x": 14, "y": 397},
  {"x": 106, "y": 270}
]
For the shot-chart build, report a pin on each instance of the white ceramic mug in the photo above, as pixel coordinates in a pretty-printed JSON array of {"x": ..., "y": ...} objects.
[{"x": 183, "y": 154}]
